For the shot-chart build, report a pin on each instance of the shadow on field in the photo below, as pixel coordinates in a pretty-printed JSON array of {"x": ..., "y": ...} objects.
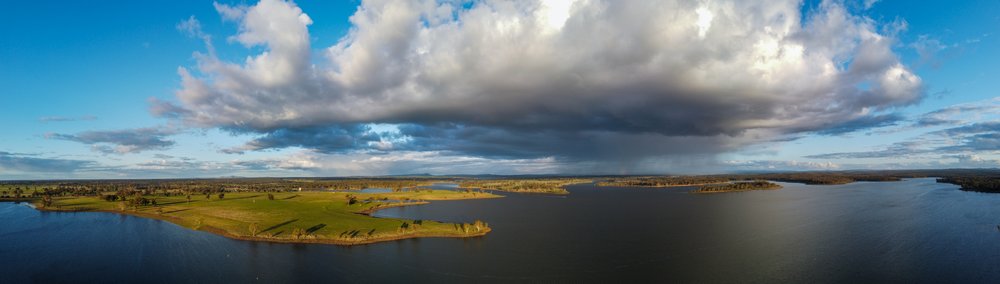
[
  {"x": 178, "y": 210},
  {"x": 315, "y": 228},
  {"x": 245, "y": 197},
  {"x": 279, "y": 225}
]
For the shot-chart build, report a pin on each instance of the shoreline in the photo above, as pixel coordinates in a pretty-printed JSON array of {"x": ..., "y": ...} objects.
[
  {"x": 563, "y": 192},
  {"x": 731, "y": 191},
  {"x": 307, "y": 240},
  {"x": 663, "y": 186}
]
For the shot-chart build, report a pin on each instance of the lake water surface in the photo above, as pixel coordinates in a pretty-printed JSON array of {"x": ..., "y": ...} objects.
[{"x": 911, "y": 231}]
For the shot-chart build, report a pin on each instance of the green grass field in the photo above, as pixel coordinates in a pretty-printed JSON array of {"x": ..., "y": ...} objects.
[{"x": 322, "y": 217}]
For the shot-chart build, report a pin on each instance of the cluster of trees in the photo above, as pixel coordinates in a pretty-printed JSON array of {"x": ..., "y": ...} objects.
[
  {"x": 821, "y": 177},
  {"x": 396, "y": 184},
  {"x": 15, "y": 192},
  {"x": 648, "y": 181},
  {"x": 474, "y": 227},
  {"x": 983, "y": 180},
  {"x": 353, "y": 199},
  {"x": 35, "y": 189},
  {"x": 975, "y": 183},
  {"x": 796, "y": 177},
  {"x": 737, "y": 186},
  {"x": 406, "y": 226},
  {"x": 139, "y": 200}
]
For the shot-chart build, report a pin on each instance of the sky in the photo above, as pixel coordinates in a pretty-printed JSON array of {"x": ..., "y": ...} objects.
[{"x": 177, "y": 89}]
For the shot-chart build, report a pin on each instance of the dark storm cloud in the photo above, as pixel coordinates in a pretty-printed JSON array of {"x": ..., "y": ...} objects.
[
  {"x": 609, "y": 79},
  {"x": 333, "y": 139},
  {"x": 520, "y": 144},
  {"x": 31, "y": 163},
  {"x": 122, "y": 141}
]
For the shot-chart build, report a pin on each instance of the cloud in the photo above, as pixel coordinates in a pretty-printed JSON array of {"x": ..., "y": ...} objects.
[
  {"x": 323, "y": 139},
  {"x": 983, "y": 136},
  {"x": 412, "y": 162},
  {"x": 122, "y": 141},
  {"x": 769, "y": 165},
  {"x": 949, "y": 115},
  {"x": 933, "y": 52},
  {"x": 162, "y": 156},
  {"x": 529, "y": 79},
  {"x": 192, "y": 28},
  {"x": 870, "y": 3},
  {"x": 899, "y": 149},
  {"x": 974, "y": 161},
  {"x": 29, "y": 163},
  {"x": 862, "y": 123},
  {"x": 974, "y": 137},
  {"x": 66, "y": 118},
  {"x": 165, "y": 166}
]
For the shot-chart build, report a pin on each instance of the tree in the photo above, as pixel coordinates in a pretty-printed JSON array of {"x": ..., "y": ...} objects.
[
  {"x": 46, "y": 200},
  {"x": 298, "y": 233},
  {"x": 480, "y": 225},
  {"x": 254, "y": 229}
]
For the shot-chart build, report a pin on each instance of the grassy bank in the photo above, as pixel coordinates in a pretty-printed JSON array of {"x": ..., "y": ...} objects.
[{"x": 300, "y": 217}]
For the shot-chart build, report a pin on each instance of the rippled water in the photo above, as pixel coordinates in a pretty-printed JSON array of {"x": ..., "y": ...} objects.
[{"x": 910, "y": 231}]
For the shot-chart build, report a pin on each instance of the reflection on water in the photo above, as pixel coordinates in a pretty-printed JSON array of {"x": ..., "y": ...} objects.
[{"x": 910, "y": 231}]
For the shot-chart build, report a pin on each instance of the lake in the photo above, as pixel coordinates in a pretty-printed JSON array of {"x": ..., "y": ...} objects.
[{"x": 911, "y": 231}]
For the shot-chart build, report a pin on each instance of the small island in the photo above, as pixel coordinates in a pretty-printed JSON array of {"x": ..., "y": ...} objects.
[{"x": 737, "y": 187}]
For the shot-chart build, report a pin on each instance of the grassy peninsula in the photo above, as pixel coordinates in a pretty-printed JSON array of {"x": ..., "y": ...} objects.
[
  {"x": 538, "y": 185},
  {"x": 298, "y": 217}
]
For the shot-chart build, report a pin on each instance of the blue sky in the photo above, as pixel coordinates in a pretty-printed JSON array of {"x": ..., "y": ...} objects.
[{"x": 93, "y": 90}]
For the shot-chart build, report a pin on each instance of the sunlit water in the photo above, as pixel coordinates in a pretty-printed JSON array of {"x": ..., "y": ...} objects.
[{"x": 910, "y": 231}]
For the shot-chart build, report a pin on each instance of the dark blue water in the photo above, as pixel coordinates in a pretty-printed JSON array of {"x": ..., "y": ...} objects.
[{"x": 915, "y": 231}]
